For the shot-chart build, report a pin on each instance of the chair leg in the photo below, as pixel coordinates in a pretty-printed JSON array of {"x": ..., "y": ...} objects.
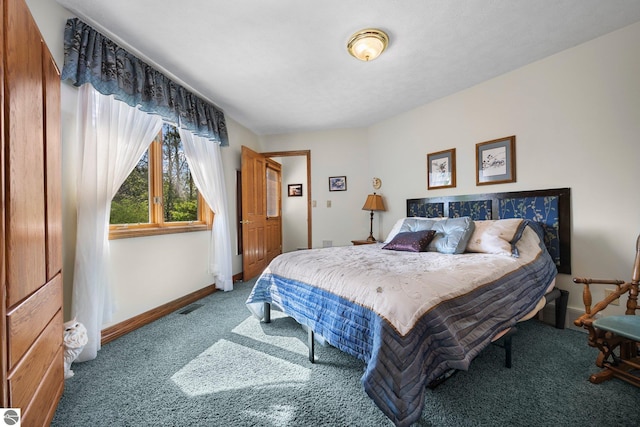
[
  {"x": 617, "y": 358},
  {"x": 600, "y": 377}
]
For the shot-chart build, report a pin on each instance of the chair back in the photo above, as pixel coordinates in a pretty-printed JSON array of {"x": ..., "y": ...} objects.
[{"x": 632, "y": 301}]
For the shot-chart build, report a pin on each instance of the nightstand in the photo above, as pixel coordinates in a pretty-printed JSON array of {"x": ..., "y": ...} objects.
[{"x": 362, "y": 242}]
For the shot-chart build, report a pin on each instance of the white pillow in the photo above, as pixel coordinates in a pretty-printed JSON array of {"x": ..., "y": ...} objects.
[
  {"x": 494, "y": 236},
  {"x": 452, "y": 235},
  {"x": 394, "y": 230}
]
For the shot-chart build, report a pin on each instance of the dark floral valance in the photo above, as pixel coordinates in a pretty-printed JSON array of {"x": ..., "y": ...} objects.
[{"x": 90, "y": 57}]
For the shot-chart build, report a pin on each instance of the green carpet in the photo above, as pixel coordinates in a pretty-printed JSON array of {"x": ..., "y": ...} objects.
[{"x": 219, "y": 366}]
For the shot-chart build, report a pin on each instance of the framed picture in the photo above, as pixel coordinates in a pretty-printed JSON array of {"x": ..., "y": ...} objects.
[
  {"x": 337, "y": 183},
  {"x": 441, "y": 169},
  {"x": 496, "y": 161},
  {"x": 294, "y": 190}
]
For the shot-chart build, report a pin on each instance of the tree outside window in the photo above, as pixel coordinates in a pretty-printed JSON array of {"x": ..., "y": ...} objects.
[{"x": 159, "y": 195}]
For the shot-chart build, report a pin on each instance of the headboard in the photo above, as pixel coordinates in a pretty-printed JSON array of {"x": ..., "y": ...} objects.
[{"x": 550, "y": 208}]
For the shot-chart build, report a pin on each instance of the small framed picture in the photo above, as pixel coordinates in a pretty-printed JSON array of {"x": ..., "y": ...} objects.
[
  {"x": 496, "y": 161},
  {"x": 441, "y": 169},
  {"x": 337, "y": 183},
  {"x": 294, "y": 190}
]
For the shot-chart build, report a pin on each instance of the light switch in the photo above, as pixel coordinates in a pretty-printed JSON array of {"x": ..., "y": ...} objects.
[
  {"x": 314, "y": 204},
  {"x": 328, "y": 203}
]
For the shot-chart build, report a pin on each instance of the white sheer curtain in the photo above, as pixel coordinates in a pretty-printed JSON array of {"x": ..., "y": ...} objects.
[
  {"x": 113, "y": 137},
  {"x": 205, "y": 164}
]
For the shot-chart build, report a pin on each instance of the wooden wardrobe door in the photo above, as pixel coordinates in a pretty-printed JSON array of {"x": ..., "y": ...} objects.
[
  {"x": 53, "y": 164},
  {"x": 32, "y": 361},
  {"x": 25, "y": 214}
]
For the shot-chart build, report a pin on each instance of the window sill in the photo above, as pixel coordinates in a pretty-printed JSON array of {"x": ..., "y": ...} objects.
[{"x": 124, "y": 232}]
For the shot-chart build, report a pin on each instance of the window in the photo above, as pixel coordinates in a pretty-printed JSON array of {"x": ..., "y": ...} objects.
[{"x": 159, "y": 195}]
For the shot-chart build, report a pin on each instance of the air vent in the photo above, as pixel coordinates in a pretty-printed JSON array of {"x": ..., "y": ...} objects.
[{"x": 190, "y": 308}]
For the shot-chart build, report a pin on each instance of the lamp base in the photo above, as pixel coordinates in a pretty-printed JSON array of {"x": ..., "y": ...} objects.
[{"x": 371, "y": 238}]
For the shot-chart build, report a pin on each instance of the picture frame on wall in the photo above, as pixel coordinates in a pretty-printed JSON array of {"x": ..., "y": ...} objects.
[
  {"x": 294, "y": 190},
  {"x": 496, "y": 161},
  {"x": 441, "y": 169},
  {"x": 337, "y": 183}
]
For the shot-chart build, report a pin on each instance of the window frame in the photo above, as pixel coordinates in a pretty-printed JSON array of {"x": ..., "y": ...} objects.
[{"x": 157, "y": 224}]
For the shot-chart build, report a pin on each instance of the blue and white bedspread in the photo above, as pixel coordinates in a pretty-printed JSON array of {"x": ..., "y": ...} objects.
[{"x": 409, "y": 316}]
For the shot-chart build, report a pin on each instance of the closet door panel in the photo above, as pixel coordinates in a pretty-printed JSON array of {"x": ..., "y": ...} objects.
[
  {"x": 25, "y": 202},
  {"x": 42, "y": 408},
  {"x": 27, "y": 320},
  {"x": 43, "y": 356},
  {"x": 53, "y": 154}
]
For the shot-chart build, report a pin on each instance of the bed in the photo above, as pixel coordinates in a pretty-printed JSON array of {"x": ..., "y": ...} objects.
[{"x": 452, "y": 276}]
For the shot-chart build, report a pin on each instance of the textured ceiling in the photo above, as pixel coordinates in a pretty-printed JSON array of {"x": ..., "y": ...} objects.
[{"x": 281, "y": 66}]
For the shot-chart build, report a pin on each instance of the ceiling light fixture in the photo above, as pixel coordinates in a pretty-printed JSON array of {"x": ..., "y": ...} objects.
[{"x": 367, "y": 45}]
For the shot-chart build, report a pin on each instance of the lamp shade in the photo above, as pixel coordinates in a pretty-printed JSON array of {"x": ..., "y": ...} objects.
[
  {"x": 373, "y": 203},
  {"x": 367, "y": 45}
]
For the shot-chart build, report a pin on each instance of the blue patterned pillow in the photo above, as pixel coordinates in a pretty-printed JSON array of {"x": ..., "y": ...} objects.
[{"x": 411, "y": 241}]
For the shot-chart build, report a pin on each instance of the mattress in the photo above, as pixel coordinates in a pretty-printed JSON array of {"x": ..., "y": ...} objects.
[{"x": 409, "y": 316}]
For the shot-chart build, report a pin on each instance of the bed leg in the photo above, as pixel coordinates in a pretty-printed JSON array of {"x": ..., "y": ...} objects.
[
  {"x": 561, "y": 308},
  {"x": 507, "y": 347},
  {"x": 267, "y": 313},
  {"x": 507, "y": 351},
  {"x": 311, "y": 344}
]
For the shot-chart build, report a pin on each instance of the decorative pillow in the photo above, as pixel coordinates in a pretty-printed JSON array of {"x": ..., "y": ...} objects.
[
  {"x": 452, "y": 235},
  {"x": 411, "y": 241},
  {"x": 412, "y": 224},
  {"x": 416, "y": 224},
  {"x": 495, "y": 236}
]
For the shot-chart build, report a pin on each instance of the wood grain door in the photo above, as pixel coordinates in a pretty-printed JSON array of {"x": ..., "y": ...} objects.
[
  {"x": 254, "y": 213},
  {"x": 32, "y": 363},
  {"x": 274, "y": 208},
  {"x": 261, "y": 219}
]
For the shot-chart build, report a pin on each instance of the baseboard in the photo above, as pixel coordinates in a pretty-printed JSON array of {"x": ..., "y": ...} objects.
[{"x": 116, "y": 331}]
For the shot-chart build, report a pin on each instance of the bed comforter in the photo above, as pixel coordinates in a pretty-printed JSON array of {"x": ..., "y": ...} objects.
[{"x": 409, "y": 316}]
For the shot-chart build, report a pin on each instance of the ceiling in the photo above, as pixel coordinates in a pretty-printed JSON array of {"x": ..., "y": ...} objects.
[{"x": 282, "y": 66}]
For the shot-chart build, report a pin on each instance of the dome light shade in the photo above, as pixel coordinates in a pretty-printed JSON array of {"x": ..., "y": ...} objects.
[{"x": 367, "y": 45}]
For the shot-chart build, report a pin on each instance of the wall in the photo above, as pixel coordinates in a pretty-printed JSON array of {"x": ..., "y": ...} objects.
[
  {"x": 294, "y": 209},
  {"x": 576, "y": 117},
  {"x": 341, "y": 152},
  {"x": 150, "y": 271},
  {"x": 147, "y": 271}
]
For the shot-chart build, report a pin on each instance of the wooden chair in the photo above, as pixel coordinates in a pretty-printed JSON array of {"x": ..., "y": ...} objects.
[{"x": 617, "y": 337}]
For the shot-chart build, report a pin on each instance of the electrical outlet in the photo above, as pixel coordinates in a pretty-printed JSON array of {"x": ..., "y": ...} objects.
[{"x": 608, "y": 292}]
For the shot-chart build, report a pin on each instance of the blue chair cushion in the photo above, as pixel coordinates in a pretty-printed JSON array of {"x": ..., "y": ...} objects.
[{"x": 627, "y": 326}]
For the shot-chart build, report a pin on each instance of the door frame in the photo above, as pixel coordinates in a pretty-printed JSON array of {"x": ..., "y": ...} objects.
[{"x": 307, "y": 155}]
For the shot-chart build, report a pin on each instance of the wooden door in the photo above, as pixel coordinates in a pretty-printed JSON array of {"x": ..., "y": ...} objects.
[
  {"x": 261, "y": 218},
  {"x": 32, "y": 366},
  {"x": 254, "y": 213},
  {"x": 274, "y": 208}
]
